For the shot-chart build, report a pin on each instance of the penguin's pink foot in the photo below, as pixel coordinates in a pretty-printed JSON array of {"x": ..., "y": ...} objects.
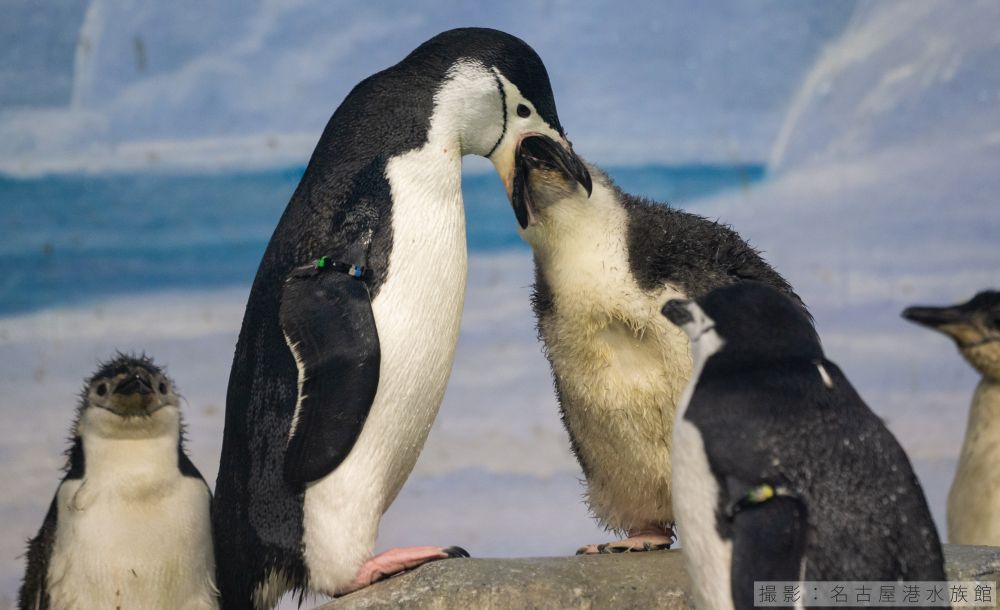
[
  {"x": 396, "y": 561},
  {"x": 639, "y": 540}
]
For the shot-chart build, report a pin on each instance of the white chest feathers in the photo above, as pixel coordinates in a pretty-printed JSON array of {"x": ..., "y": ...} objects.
[
  {"x": 133, "y": 533},
  {"x": 619, "y": 363},
  {"x": 707, "y": 555},
  {"x": 418, "y": 312}
]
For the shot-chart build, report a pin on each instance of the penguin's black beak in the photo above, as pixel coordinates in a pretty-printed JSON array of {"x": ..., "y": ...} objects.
[
  {"x": 136, "y": 384},
  {"x": 934, "y": 317},
  {"x": 958, "y": 322},
  {"x": 676, "y": 311},
  {"x": 538, "y": 152}
]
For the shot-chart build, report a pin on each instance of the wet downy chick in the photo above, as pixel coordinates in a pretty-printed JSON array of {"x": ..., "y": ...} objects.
[
  {"x": 974, "y": 499},
  {"x": 129, "y": 526},
  {"x": 605, "y": 262}
]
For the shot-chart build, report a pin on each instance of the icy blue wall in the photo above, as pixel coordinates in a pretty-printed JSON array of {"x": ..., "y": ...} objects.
[
  {"x": 37, "y": 45},
  {"x": 658, "y": 81}
]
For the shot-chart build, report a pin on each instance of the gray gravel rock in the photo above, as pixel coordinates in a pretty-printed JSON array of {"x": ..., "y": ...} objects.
[{"x": 636, "y": 580}]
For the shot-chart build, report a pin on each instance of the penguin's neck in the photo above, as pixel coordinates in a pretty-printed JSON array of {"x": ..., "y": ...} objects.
[
  {"x": 135, "y": 459},
  {"x": 580, "y": 243},
  {"x": 426, "y": 186},
  {"x": 604, "y": 320},
  {"x": 984, "y": 414},
  {"x": 431, "y": 176}
]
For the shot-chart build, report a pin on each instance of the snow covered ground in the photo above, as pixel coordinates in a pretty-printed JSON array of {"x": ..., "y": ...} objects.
[{"x": 884, "y": 194}]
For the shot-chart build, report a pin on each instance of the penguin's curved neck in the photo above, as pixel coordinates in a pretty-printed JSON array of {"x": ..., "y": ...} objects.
[
  {"x": 455, "y": 112},
  {"x": 135, "y": 457},
  {"x": 581, "y": 232},
  {"x": 985, "y": 410},
  {"x": 469, "y": 113},
  {"x": 466, "y": 119}
]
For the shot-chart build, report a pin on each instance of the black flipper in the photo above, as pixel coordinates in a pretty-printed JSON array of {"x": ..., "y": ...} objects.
[
  {"x": 34, "y": 594},
  {"x": 327, "y": 319},
  {"x": 769, "y": 541}
]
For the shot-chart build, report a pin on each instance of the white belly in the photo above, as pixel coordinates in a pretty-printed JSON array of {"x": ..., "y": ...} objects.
[
  {"x": 707, "y": 555},
  {"x": 118, "y": 551},
  {"x": 418, "y": 313},
  {"x": 619, "y": 380}
]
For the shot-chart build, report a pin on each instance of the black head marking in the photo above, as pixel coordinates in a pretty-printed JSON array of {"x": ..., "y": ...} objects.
[
  {"x": 970, "y": 324},
  {"x": 125, "y": 363},
  {"x": 985, "y": 305},
  {"x": 511, "y": 56},
  {"x": 760, "y": 322}
]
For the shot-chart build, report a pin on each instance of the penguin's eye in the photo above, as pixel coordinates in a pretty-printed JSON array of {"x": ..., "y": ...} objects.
[
  {"x": 163, "y": 388},
  {"x": 102, "y": 389},
  {"x": 523, "y": 111}
]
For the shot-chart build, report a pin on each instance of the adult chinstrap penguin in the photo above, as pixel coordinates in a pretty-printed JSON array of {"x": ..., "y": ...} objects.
[
  {"x": 974, "y": 499},
  {"x": 351, "y": 325},
  {"x": 129, "y": 526},
  {"x": 604, "y": 265},
  {"x": 781, "y": 471}
]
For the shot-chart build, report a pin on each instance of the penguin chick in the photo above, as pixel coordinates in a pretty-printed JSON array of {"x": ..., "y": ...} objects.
[
  {"x": 781, "y": 471},
  {"x": 974, "y": 499},
  {"x": 604, "y": 265},
  {"x": 129, "y": 526}
]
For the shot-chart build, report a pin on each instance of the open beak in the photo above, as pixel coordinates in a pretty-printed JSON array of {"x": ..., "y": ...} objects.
[{"x": 536, "y": 151}]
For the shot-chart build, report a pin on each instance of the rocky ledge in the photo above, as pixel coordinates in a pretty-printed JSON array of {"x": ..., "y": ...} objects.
[{"x": 636, "y": 580}]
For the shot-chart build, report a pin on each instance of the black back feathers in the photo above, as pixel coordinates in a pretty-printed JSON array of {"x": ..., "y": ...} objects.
[{"x": 772, "y": 411}]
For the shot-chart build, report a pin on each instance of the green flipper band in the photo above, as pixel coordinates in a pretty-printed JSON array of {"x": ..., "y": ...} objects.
[{"x": 354, "y": 270}]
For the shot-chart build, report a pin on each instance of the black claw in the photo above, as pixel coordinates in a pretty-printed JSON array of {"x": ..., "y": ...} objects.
[
  {"x": 454, "y": 552},
  {"x": 649, "y": 546},
  {"x": 611, "y": 548}
]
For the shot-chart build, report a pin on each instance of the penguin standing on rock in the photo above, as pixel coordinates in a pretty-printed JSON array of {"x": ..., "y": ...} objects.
[
  {"x": 352, "y": 321},
  {"x": 604, "y": 266},
  {"x": 781, "y": 471},
  {"x": 974, "y": 499},
  {"x": 129, "y": 526}
]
